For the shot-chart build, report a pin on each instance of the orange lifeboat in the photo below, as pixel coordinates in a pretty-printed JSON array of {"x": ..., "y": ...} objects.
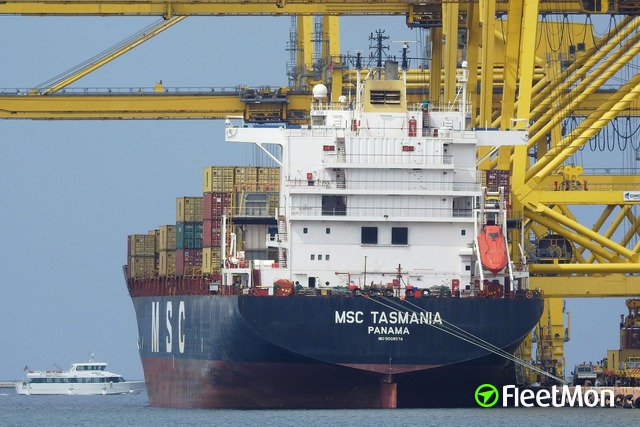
[
  {"x": 283, "y": 287},
  {"x": 492, "y": 247}
]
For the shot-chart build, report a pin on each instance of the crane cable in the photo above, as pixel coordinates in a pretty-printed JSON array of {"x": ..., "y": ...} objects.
[{"x": 466, "y": 336}]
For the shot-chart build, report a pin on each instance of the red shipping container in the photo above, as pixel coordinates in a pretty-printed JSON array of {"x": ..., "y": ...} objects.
[
  {"x": 215, "y": 205},
  {"x": 211, "y": 229},
  {"x": 188, "y": 262}
]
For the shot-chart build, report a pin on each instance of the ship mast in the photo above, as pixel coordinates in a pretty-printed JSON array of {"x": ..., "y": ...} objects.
[
  {"x": 358, "y": 77},
  {"x": 379, "y": 48},
  {"x": 464, "y": 77}
]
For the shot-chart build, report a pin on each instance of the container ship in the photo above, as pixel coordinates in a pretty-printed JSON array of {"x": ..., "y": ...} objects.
[{"x": 369, "y": 266}]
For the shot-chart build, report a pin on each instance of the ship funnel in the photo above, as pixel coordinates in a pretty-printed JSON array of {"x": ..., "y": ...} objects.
[{"x": 390, "y": 70}]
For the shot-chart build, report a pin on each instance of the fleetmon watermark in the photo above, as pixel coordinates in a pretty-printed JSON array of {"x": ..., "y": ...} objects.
[{"x": 487, "y": 395}]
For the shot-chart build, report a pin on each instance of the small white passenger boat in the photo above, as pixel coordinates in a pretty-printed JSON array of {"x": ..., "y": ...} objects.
[{"x": 90, "y": 378}]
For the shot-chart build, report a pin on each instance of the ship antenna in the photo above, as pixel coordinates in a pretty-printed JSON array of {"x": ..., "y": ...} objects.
[
  {"x": 365, "y": 272},
  {"x": 405, "y": 60},
  {"x": 463, "y": 81},
  {"x": 405, "y": 63},
  {"x": 399, "y": 276},
  {"x": 405, "y": 49},
  {"x": 379, "y": 48},
  {"x": 358, "y": 82}
]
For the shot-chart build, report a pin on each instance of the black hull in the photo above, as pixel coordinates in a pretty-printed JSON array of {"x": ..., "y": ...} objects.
[{"x": 324, "y": 352}]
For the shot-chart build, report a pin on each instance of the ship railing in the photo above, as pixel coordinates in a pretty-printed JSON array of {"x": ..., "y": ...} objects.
[
  {"x": 345, "y": 129},
  {"x": 315, "y": 132},
  {"x": 441, "y": 133},
  {"x": 411, "y": 185},
  {"x": 252, "y": 211},
  {"x": 410, "y": 158},
  {"x": 417, "y": 106},
  {"x": 319, "y": 108},
  {"x": 583, "y": 184},
  {"x": 146, "y": 90},
  {"x": 435, "y": 107},
  {"x": 418, "y": 214}
]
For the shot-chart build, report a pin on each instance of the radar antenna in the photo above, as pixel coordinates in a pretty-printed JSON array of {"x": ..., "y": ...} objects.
[{"x": 405, "y": 49}]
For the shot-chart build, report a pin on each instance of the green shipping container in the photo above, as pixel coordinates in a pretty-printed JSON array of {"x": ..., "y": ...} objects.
[{"x": 189, "y": 235}]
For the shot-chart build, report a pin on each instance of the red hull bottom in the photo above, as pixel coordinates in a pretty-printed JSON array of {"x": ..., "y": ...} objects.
[
  {"x": 192, "y": 383},
  {"x": 220, "y": 384}
]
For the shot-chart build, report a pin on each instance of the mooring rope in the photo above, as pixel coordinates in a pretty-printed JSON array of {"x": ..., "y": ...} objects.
[{"x": 456, "y": 331}]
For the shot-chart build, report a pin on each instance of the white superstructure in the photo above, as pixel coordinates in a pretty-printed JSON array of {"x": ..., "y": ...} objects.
[
  {"x": 375, "y": 191},
  {"x": 90, "y": 378}
]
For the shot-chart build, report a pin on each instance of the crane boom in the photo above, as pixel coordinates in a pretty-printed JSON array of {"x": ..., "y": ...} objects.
[{"x": 417, "y": 13}]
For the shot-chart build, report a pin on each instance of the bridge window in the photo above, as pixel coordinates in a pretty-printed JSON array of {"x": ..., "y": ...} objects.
[
  {"x": 334, "y": 205},
  {"x": 399, "y": 236},
  {"x": 255, "y": 204},
  {"x": 369, "y": 236}
]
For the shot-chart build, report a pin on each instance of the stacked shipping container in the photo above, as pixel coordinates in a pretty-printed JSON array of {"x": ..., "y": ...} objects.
[
  {"x": 141, "y": 251},
  {"x": 192, "y": 247},
  {"x": 494, "y": 179},
  {"x": 167, "y": 250},
  {"x": 189, "y": 236},
  {"x": 235, "y": 192},
  {"x": 218, "y": 187}
]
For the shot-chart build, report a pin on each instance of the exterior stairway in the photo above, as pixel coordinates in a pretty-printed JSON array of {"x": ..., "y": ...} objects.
[
  {"x": 282, "y": 237},
  {"x": 341, "y": 180}
]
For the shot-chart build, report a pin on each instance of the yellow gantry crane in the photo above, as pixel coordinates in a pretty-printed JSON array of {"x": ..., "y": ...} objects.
[
  {"x": 417, "y": 13},
  {"x": 527, "y": 76}
]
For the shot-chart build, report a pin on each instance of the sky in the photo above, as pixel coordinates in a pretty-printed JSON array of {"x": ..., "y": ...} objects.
[{"x": 71, "y": 191}]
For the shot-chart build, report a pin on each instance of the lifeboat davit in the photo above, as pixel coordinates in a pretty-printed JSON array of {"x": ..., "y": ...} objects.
[{"x": 492, "y": 246}]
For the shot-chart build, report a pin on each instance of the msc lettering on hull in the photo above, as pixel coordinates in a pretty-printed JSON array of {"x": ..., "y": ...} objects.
[{"x": 171, "y": 323}]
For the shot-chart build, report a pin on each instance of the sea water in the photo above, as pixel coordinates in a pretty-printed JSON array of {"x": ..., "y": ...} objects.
[{"x": 134, "y": 410}]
